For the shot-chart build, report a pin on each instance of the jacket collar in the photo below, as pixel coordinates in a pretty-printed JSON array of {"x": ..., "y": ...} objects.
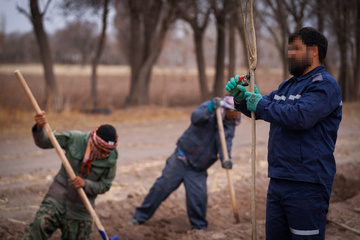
[{"x": 316, "y": 70}]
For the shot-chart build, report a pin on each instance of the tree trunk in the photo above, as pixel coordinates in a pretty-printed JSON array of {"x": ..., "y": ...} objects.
[
  {"x": 135, "y": 53},
  {"x": 97, "y": 56},
  {"x": 243, "y": 43},
  {"x": 198, "y": 17},
  {"x": 232, "y": 51},
  {"x": 285, "y": 62},
  {"x": 343, "y": 74},
  {"x": 220, "y": 57},
  {"x": 52, "y": 95},
  {"x": 342, "y": 30},
  {"x": 357, "y": 60},
  {"x": 198, "y": 39},
  {"x": 240, "y": 28},
  {"x": 146, "y": 47}
]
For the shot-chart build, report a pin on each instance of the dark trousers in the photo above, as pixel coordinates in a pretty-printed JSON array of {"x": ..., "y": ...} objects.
[
  {"x": 296, "y": 210},
  {"x": 178, "y": 171}
]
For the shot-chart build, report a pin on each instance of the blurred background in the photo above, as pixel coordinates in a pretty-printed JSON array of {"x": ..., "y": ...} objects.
[{"x": 100, "y": 55}]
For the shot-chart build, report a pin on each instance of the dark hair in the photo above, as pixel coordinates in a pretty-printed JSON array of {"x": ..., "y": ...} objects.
[
  {"x": 310, "y": 37},
  {"x": 107, "y": 133}
]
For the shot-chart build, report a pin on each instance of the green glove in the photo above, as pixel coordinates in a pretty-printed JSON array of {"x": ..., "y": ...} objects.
[
  {"x": 252, "y": 99},
  {"x": 236, "y": 89},
  {"x": 214, "y": 103}
]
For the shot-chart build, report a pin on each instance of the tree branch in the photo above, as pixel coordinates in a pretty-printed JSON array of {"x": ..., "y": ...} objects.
[
  {"x": 46, "y": 7},
  {"x": 23, "y": 11}
]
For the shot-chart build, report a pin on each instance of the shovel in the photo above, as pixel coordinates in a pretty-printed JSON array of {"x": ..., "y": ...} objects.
[
  {"x": 64, "y": 160},
  {"x": 226, "y": 158}
]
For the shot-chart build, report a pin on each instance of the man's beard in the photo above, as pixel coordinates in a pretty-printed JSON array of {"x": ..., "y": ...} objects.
[{"x": 297, "y": 68}]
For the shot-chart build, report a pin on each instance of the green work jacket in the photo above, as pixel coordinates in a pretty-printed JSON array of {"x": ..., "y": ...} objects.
[{"x": 61, "y": 192}]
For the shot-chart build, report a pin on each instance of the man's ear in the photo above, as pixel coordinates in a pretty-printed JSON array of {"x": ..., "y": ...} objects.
[{"x": 315, "y": 51}]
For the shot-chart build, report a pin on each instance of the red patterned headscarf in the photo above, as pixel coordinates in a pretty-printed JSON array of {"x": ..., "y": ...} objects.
[{"x": 96, "y": 148}]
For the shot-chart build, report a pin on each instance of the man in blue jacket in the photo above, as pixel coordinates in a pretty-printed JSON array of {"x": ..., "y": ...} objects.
[
  {"x": 304, "y": 115},
  {"x": 197, "y": 149}
]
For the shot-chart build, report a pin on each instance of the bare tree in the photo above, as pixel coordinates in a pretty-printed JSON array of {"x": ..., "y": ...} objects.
[
  {"x": 80, "y": 6},
  {"x": 339, "y": 16},
  {"x": 2, "y": 33},
  {"x": 235, "y": 23},
  {"x": 220, "y": 7},
  {"x": 357, "y": 51},
  {"x": 239, "y": 25},
  {"x": 19, "y": 48},
  {"x": 319, "y": 13},
  {"x": 149, "y": 22},
  {"x": 52, "y": 95},
  {"x": 99, "y": 49},
  {"x": 342, "y": 19},
  {"x": 247, "y": 15},
  {"x": 196, "y": 13},
  {"x": 75, "y": 42},
  {"x": 232, "y": 48},
  {"x": 282, "y": 17}
]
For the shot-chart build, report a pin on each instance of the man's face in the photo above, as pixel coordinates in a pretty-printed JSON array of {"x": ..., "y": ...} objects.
[
  {"x": 299, "y": 57},
  {"x": 232, "y": 114}
]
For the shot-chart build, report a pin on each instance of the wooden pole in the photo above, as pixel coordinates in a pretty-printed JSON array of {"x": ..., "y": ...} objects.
[
  {"x": 226, "y": 158},
  {"x": 252, "y": 59}
]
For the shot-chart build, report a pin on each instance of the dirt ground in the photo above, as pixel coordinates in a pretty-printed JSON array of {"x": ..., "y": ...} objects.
[{"x": 147, "y": 136}]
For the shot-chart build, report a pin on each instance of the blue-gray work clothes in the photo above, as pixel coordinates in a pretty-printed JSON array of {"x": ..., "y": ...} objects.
[
  {"x": 197, "y": 149},
  {"x": 296, "y": 210},
  {"x": 178, "y": 171},
  {"x": 304, "y": 114},
  {"x": 201, "y": 141}
]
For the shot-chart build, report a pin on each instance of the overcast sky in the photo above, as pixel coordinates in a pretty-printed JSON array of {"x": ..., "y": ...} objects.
[{"x": 15, "y": 21}]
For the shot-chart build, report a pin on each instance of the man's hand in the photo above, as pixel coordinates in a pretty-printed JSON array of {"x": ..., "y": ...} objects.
[
  {"x": 252, "y": 99},
  {"x": 77, "y": 182},
  {"x": 235, "y": 88},
  {"x": 214, "y": 103},
  {"x": 227, "y": 164},
  {"x": 41, "y": 120}
]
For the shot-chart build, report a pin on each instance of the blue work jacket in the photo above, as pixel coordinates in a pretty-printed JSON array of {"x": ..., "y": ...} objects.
[
  {"x": 200, "y": 143},
  {"x": 304, "y": 115}
]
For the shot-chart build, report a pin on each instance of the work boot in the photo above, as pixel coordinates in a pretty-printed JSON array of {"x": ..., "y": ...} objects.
[{"x": 133, "y": 221}]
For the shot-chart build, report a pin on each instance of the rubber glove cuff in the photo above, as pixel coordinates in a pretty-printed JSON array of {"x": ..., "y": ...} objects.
[
  {"x": 211, "y": 106},
  {"x": 252, "y": 99}
]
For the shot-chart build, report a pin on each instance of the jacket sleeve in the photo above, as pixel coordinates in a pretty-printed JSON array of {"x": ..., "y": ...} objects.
[
  {"x": 42, "y": 140},
  {"x": 241, "y": 106},
  {"x": 318, "y": 100},
  {"x": 103, "y": 184},
  {"x": 201, "y": 114}
]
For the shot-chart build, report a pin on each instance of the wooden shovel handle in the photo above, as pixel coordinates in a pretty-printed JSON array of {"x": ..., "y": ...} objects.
[
  {"x": 226, "y": 158},
  {"x": 60, "y": 152}
]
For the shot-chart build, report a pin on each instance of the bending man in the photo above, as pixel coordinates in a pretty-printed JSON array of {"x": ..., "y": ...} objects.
[{"x": 197, "y": 149}]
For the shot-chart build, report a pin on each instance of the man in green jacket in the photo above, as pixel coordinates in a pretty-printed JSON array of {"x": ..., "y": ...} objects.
[{"x": 93, "y": 158}]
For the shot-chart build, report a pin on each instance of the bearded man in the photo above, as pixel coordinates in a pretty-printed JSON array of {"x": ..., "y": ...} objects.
[{"x": 304, "y": 115}]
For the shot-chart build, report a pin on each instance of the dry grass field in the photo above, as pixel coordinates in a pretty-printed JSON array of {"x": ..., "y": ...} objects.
[{"x": 147, "y": 136}]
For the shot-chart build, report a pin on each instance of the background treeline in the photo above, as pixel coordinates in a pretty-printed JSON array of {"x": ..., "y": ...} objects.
[{"x": 188, "y": 34}]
